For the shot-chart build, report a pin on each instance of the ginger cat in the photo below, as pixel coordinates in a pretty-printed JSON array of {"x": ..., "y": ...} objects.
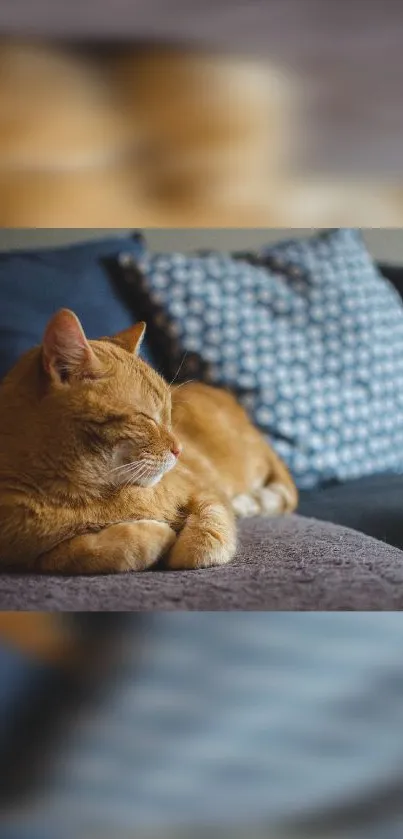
[
  {"x": 105, "y": 468},
  {"x": 162, "y": 137}
]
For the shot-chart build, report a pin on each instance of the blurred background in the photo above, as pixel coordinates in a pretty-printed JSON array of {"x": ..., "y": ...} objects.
[
  {"x": 258, "y": 724},
  {"x": 384, "y": 244},
  {"x": 181, "y": 113}
]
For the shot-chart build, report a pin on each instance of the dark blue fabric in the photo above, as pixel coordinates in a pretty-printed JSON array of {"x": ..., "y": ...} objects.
[
  {"x": 36, "y": 283},
  {"x": 21, "y": 677}
]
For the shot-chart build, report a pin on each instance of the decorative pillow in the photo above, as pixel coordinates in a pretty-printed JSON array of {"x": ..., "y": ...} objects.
[
  {"x": 310, "y": 339},
  {"x": 34, "y": 284}
]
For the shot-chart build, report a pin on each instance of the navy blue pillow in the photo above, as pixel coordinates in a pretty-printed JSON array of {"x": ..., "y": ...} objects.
[{"x": 82, "y": 277}]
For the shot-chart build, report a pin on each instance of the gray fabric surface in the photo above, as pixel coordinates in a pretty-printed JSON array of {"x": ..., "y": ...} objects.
[
  {"x": 289, "y": 563},
  {"x": 347, "y": 54}
]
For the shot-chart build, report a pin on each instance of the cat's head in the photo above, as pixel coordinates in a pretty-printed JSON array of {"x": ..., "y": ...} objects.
[{"x": 97, "y": 413}]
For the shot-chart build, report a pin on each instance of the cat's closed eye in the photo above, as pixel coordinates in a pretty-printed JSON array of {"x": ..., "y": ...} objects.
[
  {"x": 99, "y": 432},
  {"x": 148, "y": 417},
  {"x": 104, "y": 420}
]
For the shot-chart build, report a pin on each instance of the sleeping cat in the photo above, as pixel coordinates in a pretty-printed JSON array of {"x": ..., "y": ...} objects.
[{"x": 105, "y": 468}]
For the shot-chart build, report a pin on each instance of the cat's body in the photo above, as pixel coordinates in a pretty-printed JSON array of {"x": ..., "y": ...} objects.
[
  {"x": 87, "y": 482},
  {"x": 162, "y": 137}
]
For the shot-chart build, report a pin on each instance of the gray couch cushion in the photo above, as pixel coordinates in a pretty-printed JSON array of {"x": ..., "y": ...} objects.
[
  {"x": 290, "y": 563},
  {"x": 372, "y": 505}
]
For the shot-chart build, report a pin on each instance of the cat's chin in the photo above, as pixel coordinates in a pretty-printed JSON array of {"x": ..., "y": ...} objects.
[
  {"x": 151, "y": 482},
  {"x": 155, "y": 479}
]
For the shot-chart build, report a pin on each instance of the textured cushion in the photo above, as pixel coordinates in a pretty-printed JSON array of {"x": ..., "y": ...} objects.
[
  {"x": 286, "y": 563},
  {"x": 35, "y": 283},
  {"x": 310, "y": 338},
  {"x": 372, "y": 505}
]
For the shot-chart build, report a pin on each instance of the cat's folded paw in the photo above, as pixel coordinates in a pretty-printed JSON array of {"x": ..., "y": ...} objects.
[
  {"x": 124, "y": 546},
  {"x": 245, "y": 506},
  {"x": 272, "y": 500},
  {"x": 287, "y": 494},
  {"x": 200, "y": 548},
  {"x": 147, "y": 542}
]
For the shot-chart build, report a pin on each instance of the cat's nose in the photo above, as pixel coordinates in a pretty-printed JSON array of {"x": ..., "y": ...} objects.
[{"x": 176, "y": 449}]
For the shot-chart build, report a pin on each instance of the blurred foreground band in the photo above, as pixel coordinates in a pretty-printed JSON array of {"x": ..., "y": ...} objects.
[{"x": 283, "y": 725}]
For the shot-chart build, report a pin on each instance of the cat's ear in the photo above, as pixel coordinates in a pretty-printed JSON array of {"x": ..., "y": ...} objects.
[
  {"x": 131, "y": 339},
  {"x": 66, "y": 353}
]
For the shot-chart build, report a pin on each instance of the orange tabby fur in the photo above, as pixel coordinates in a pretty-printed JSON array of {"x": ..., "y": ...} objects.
[{"x": 74, "y": 414}]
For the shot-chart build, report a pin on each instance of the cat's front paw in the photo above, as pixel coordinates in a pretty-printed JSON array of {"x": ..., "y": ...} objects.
[
  {"x": 201, "y": 547},
  {"x": 145, "y": 542},
  {"x": 125, "y": 546}
]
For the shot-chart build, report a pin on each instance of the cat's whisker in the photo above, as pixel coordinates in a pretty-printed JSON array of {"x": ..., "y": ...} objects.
[
  {"x": 131, "y": 466},
  {"x": 143, "y": 469},
  {"x": 125, "y": 466},
  {"x": 188, "y": 382},
  {"x": 132, "y": 481},
  {"x": 179, "y": 369},
  {"x": 129, "y": 477},
  {"x": 140, "y": 463},
  {"x": 133, "y": 478},
  {"x": 148, "y": 473}
]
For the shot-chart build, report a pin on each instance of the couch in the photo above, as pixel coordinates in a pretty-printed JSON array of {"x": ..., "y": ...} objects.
[{"x": 341, "y": 551}]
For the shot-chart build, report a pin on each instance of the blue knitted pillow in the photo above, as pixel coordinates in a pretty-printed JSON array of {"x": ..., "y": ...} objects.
[
  {"x": 35, "y": 283},
  {"x": 309, "y": 337}
]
